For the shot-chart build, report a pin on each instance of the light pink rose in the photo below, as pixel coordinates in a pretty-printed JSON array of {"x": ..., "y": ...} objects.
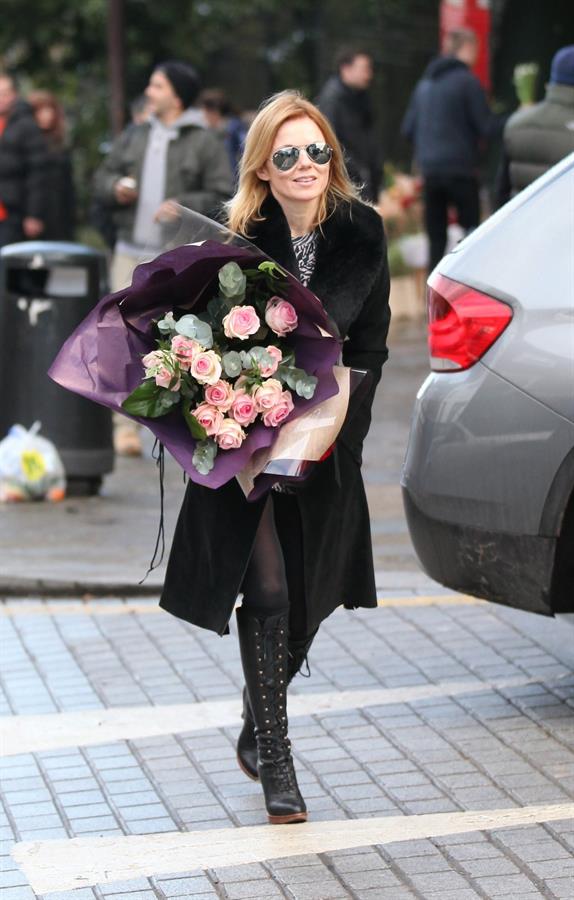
[
  {"x": 268, "y": 394},
  {"x": 220, "y": 394},
  {"x": 153, "y": 360},
  {"x": 206, "y": 367},
  {"x": 185, "y": 349},
  {"x": 164, "y": 377},
  {"x": 269, "y": 370},
  {"x": 239, "y": 386},
  {"x": 244, "y": 409},
  {"x": 241, "y": 322},
  {"x": 281, "y": 317},
  {"x": 209, "y": 416},
  {"x": 231, "y": 435},
  {"x": 279, "y": 413}
]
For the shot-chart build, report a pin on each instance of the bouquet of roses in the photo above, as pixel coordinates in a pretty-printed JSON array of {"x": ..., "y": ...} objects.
[
  {"x": 215, "y": 348},
  {"x": 227, "y": 367}
]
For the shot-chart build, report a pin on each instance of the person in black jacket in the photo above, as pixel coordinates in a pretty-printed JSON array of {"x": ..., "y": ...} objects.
[
  {"x": 448, "y": 120},
  {"x": 297, "y": 556},
  {"x": 23, "y": 166},
  {"x": 345, "y": 101},
  {"x": 60, "y": 216}
]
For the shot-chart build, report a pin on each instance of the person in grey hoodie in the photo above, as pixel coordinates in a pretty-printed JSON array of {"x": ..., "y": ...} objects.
[
  {"x": 448, "y": 120},
  {"x": 172, "y": 158}
]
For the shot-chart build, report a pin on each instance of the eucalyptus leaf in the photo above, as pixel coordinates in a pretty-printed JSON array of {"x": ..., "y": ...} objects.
[
  {"x": 305, "y": 387},
  {"x": 204, "y": 456},
  {"x": 232, "y": 281},
  {"x": 191, "y": 327},
  {"x": 232, "y": 363},
  {"x": 167, "y": 324}
]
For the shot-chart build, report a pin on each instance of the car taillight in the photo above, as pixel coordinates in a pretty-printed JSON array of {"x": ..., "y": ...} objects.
[{"x": 463, "y": 323}]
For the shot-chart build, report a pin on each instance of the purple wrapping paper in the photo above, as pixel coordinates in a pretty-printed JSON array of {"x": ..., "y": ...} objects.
[{"x": 101, "y": 360}]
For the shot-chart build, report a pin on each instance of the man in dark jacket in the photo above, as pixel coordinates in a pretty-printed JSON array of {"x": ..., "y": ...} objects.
[
  {"x": 23, "y": 165},
  {"x": 537, "y": 137},
  {"x": 447, "y": 120},
  {"x": 172, "y": 158},
  {"x": 345, "y": 101}
]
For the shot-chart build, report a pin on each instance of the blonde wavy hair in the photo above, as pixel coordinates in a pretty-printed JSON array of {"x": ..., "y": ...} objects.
[{"x": 245, "y": 207}]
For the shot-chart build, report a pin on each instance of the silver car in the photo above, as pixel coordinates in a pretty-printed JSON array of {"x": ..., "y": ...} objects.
[{"x": 488, "y": 479}]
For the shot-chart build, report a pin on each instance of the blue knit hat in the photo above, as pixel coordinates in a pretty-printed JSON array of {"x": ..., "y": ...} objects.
[{"x": 562, "y": 71}]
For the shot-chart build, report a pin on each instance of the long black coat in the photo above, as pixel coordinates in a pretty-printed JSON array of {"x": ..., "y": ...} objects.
[
  {"x": 324, "y": 527},
  {"x": 23, "y": 166}
]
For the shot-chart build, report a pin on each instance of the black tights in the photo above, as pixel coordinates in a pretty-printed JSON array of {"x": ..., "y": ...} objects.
[{"x": 266, "y": 590}]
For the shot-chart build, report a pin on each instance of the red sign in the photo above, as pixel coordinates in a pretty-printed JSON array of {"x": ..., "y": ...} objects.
[{"x": 473, "y": 14}]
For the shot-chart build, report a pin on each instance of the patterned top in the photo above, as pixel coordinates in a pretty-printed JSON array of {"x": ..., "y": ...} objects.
[{"x": 305, "y": 248}]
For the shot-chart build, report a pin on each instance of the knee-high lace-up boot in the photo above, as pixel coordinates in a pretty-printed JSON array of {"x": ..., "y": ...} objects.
[
  {"x": 246, "y": 744},
  {"x": 263, "y": 645}
]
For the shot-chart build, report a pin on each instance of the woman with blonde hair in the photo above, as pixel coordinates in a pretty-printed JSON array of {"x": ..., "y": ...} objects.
[{"x": 299, "y": 553}]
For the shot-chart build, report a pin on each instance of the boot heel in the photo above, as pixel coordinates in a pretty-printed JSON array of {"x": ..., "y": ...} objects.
[{"x": 291, "y": 819}]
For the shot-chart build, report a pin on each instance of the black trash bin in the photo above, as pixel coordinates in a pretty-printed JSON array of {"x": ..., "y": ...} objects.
[{"x": 46, "y": 289}]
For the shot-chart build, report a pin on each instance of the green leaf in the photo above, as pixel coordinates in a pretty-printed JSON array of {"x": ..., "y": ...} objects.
[
  {"x": 271, "y": 268},
  {"x": 196, "y": 428},
  {"x": 188, "y": 387},
  {"x": 150, "y": 400}
]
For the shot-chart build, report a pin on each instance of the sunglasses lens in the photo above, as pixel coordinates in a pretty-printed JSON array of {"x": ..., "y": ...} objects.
[
  {"x": 285, "y": 158},
  {"x": 319, "y": 153}
]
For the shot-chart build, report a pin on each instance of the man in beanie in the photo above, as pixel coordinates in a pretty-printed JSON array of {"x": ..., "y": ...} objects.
[
  {"x": 172, "y": 158},
  {"x": 536, "y": 137}
]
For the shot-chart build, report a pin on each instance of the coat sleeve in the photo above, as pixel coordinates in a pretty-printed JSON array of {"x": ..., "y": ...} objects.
[
  {"x": 366, "y": 348},
  {"x": 111, "y": 170},
  {"x": 484, "y": 123},
  {"x": 37, "y": 163},
  {"x": 215, "y": 176},
  {"x": 410, "y": 118}
]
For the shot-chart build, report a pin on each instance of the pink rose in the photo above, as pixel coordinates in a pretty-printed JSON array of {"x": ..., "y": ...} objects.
[
  {"x": 279, "y": 413},
  {"x": 231, "y": 435},
  {"x": 268, "y": 394},
  {"x": 164, "y": 377},
  {"x": 240, "y": 322},
  {"x": 209, "y": 416},
  {"x": 281, "y": 317},
  {"x": 185, "y": 349},
  {"x": 240, "y": 383},
  {"x": 269, "y": 370},
  {"x": 206, "y": 367},
  {"x": 244, "y": 409},
  {"x": 153, "y": 360},
  {"x": 220, "y": 394}
]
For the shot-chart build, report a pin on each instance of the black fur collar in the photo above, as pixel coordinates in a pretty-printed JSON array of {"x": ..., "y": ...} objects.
[{"x": 350, "y": 254}]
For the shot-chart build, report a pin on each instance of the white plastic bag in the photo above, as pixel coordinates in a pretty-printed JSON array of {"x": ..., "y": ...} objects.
[{"x": 30, "y": 467}]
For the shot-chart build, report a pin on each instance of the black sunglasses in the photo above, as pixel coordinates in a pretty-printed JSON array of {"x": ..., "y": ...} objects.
[{"x": 286, "y": 157}]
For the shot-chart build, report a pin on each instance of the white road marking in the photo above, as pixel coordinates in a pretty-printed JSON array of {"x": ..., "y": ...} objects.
[
  {"x": 80, "y": 862},
  {"x": 55, "y": 731}
]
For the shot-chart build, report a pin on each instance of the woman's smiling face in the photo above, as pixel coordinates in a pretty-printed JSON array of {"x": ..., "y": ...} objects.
[{"x": 306, "y": 181}]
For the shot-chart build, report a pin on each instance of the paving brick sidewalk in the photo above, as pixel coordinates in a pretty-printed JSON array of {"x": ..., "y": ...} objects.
[{"x": 480, "y": 749}]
